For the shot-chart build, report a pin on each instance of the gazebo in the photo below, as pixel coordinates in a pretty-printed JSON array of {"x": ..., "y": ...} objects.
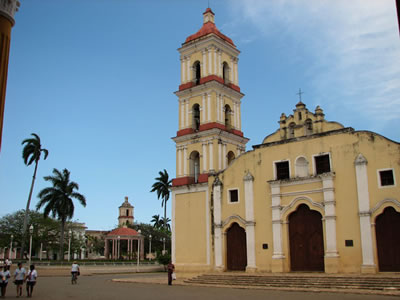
[{"x": 123, "y": 242}]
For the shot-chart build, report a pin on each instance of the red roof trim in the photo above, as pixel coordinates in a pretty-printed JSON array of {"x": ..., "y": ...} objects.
[
  {"x": 206, "y": 29},
  {"x": 123, "y": 231}
]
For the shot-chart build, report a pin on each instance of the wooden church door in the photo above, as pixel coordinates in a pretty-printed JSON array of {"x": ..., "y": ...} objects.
[
  {"x": 306, "y": 240},
  {"x": 236, "y": 248},
  {"x": 387, "y": 228}
]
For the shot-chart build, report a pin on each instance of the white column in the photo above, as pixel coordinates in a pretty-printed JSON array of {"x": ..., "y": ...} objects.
[
  {"x": 183, "y": 73},
  {"x": 203, "y": 110},
  {"x": 187, "y": 113},
  {"x": 219, "y": 63},
  {"x": 188, "y": 75},
  {"x": 204, "y": 69},
  {"x": 330, "y": 215},
  {"x": 215, "y": 60},
  {"x": 219, "y": 156},
  {"x": 236, "y": 72},
  {"x": 185, "y": 171},
  {"x": 231, "y": 70},
  {"x": 173, "y": 252},
  {"x": 209, "y": 61},
  {"x": 250, "y": 233},
  {"x": 364, "y": 212},
  {"x": 217, "y": 102},
  {"x": 224, "y": 160},
  {"x": 276, "y": 221},
  {"x": 179, "y": 149},
  {"x": 204, "y": 146},
  {"x": 221, "y": 109},
  {"x": 209, "y": 107},
  {"x": 182, "y": 105},
  {"x": 234, "y": 114},
  {"x": 211, "y": 153},
  {"x": 238, "y": 151},
  {"x": 217, "y": 223}
]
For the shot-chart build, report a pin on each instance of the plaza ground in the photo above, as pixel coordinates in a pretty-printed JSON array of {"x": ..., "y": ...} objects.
[{"x": 101, "y": 287}]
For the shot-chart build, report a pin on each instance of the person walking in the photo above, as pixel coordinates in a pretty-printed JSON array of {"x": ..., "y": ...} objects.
[
  {"x": 4, "y": 275},
  {"x": 75, "y": 271},
  {"x": 19, "y": 276},
  {"x": 171, "y": 269},
  {"x": 31, "y": 280}
]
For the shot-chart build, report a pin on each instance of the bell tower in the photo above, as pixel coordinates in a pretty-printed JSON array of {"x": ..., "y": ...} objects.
[
  {"x": 125, "y": 213},
  {"x": 209, "y": 137}
]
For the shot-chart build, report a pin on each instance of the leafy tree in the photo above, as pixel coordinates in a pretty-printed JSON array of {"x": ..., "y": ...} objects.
[
  {"x": 158, "y": 235},
  {"x": 31, "y": 153},
  {"x": 164, "y": 259},
  {"x": 46, "y": 231},
  {"x": 157, "y": 222},
  {"x": 162, "y": 186},
  {"x": 58, "y": 200}
]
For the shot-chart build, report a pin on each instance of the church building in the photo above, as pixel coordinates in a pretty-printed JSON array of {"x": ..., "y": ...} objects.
[{"x": 313, "y": 196}]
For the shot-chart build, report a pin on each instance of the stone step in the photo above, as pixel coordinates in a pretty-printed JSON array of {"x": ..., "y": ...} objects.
[{"x": 303, "y": 282}]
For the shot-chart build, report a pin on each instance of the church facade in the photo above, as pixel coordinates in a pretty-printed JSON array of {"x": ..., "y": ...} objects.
[{"x": 313, "y": 196}]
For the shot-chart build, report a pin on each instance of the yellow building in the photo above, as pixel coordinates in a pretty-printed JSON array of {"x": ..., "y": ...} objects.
[
  {"x": 7, "y": 11},
  {"x": 314, "y": 196}
]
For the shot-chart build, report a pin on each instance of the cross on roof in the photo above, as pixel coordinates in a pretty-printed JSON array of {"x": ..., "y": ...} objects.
[{"x": 300, "y": 93}]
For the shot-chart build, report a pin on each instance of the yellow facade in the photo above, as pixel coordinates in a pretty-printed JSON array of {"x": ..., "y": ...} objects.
[{"x": 314, "y": 196}]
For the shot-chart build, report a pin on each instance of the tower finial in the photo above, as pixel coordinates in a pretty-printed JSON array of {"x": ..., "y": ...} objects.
[
  {"x": 300, "y": 93},
  {"x": 208, "y": 16}
]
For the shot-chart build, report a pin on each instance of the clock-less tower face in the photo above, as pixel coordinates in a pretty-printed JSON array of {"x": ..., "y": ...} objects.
[{"x": 209, "y": 136}]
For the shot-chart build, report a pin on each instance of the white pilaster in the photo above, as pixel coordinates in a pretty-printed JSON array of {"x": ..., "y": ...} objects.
[
  {"x": 204, "y": 146},
  {"x": 250, "y": 232},
  {"x": 219, "y": 64},
  {"x": 179, "y": 149},
  {"x": 217, "y": 102},
  {"x": 209, "y": 107},
  {"x": 236, "y": 72},
  {"x": 231, "y": 68},
  {"x": 173, "y": 244},
  {"x": 364, "y": 212},
  {"x": 276, "y": 221},
  {"x": 215, "y": 60},
  {"x": 203, "y": 110},
  {"x": 188, "y": 75},
  {"x": 221, "y": 109},
  {"x": 204, "y": 69},
  {"x": 234, "y": 115},
  {"x": 211, "y": 152},
  {"x": 182, "y": 119},
  {"x": 187, "y": 113},
  {"x": 183, "y": 73},
  {"x": 330, "y": 215},
  {"x": 238, "y": 151},
  {"x": 209, "y": 61},
  {"x": 185, "y": 170},
  {"x": 218, "y": 226}
]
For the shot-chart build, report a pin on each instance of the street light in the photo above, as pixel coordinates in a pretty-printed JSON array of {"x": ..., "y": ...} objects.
[
  {"x": 69, "y": 244},
  {"x": 164, "y": 245},
  {"x": 9, "y": 256},
  {"x": 118, "y": 246},
  {"x": 138, "y": 248},
  {"x": 150, "y": 247},
  {"x": 30, "y": 243}
]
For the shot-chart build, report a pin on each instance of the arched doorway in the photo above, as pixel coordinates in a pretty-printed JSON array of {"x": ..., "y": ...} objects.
[
  {"x": 236, "y": 248},
  {"x": 387, "y": 228},
  {"x": 306, "y": 240}
]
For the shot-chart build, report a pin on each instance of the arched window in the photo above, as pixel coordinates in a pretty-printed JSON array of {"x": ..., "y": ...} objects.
[
  {"x": 127, "y": 212},
  {"x": 225, "y": 72},
  {"x": 196, "y": 117},
  {"x": 196, "y": 72},
  {"x": 230, "y": 157},
  {"x": 228, "y": 113},
  {"x": 301, "y": 167},
  {"x": 195, "y": 165},
  {"x": 309, "y": 126},
  {"x": 291, "y": 130}
]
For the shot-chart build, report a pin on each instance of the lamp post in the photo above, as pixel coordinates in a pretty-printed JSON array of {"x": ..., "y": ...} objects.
[
  {"x": 30, "y": 243},
  {"x": 9, "y": 256},
  {"x": 69, "y": 243},
  {"x": 164, "y": 245},
  {"x": 118, "y": 246},
  {"x": 150, "y": 247},
  {"x": 138, "y": 249}
]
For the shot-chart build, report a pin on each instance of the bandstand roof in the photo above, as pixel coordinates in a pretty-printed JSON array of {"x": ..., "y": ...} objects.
[{"x": 123, "y": 231}]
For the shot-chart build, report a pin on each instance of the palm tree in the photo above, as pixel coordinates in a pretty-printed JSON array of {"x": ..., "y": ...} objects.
[
  {"x": 58, "y": 200},
  {"x": 165, "y": 222},
  {"x": 156, "y": 221},
  {"x": 162, "y": 186},
  {"x": 31, "y": 153}
]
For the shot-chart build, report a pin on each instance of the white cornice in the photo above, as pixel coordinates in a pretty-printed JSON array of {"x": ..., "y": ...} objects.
[
  {"x": 210, "y": 86},
  {"x": 214, "y": 133}
]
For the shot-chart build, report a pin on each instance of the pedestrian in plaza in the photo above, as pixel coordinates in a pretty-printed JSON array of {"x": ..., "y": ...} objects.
[
  {"x": 171, "y": 274},
  {"x": 19, "y": 276},
  {"x": 31, "y": 280},
  {"x": 4, "y": 275},
  {"x": 75, "y": 272}
]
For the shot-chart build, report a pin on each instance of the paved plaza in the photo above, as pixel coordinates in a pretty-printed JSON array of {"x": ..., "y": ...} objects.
[{"x": 102, "y": 286}]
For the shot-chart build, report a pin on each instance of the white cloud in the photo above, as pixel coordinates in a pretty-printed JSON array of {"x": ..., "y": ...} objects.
[{"x": 354, "y": 45}]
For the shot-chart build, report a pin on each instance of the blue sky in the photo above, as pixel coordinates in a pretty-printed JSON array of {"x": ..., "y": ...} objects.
[{"x": 95, "y": 79}]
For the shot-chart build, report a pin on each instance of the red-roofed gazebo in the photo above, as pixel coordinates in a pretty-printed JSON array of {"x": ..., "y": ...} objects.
[{"x": 123, "y": 243}]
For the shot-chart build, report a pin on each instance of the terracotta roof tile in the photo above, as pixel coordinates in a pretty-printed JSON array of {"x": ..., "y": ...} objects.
[
  {"x": 123, "y": 231},
  {"x": 208, "y": 28}
]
